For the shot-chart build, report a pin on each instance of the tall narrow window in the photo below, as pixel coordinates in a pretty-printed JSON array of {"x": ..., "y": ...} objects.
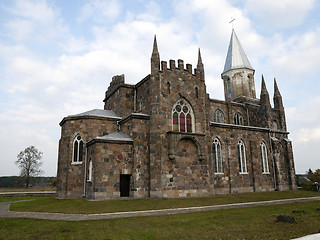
[
  {"x": 264, "y": 158},
  {"x": 217, "y": 158},
  {"x": 218, "y": 116},
  {"x": 250, "y": 88},
  {"x": 182, "y": 117},
  {"x": 168, "y": 87},
  {"x": 238, "y": 119},
  {"x": 242, "y": 157},
  {"x": 77, "y": 150},
  {"x": 229, "y": 87},
  {"x": 197, "y": 92}
]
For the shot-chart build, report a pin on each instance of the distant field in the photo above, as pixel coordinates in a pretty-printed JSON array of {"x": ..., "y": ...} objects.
[
  {"x": 50, "y": 204},
  {"x": 243, "y": 223}
]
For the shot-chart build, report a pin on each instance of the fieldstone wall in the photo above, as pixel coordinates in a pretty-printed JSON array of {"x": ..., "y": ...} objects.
[{"x": 71, "y": 175}]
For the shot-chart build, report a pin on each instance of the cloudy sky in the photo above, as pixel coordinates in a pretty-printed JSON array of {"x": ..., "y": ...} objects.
[{"x": 57, "y": 58}]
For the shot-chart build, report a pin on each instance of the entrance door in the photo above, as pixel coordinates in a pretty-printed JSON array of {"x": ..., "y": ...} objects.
[{"x": 124, "y": 185}]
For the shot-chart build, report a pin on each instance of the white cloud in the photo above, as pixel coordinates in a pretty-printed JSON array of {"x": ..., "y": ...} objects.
[
  {"x": 284, "y": 13},
  {"x": 100, "y": 10}
]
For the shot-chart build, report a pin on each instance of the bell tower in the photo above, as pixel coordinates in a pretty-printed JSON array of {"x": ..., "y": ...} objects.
[{"x": 238, "y": 74}]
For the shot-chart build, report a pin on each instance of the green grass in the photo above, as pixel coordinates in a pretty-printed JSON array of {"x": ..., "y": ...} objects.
[
  {"x": 244, "y": 223},
  {"x": 49, "y": 204}
]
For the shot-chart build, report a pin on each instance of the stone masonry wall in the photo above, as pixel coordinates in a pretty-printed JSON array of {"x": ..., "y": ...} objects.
[{"x": 71, "y": 176}]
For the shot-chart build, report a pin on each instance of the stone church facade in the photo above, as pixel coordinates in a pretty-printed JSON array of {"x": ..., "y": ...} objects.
[{"x": 165, "y": 137}]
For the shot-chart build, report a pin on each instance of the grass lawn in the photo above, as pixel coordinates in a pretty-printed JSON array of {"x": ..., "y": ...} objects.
[
  {"x": 50, "y": 204},
  {"x": 243, "y": 223}
]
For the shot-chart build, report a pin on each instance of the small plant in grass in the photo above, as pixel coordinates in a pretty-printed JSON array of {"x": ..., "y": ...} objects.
[{"x": 286, "y": 219}]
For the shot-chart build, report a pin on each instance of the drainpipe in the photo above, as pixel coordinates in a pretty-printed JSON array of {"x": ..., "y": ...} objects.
[{"x": 85, "y": 173}]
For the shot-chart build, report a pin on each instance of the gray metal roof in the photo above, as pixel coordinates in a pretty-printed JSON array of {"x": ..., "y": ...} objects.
[
  {"x": 116, "y": 136},
  {"x": 97, "y": 113},
  {"x": 236, "y": 57}
]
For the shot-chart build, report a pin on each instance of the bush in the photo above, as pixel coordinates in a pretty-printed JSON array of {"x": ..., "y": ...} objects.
[{"x": 306, "y": 186}]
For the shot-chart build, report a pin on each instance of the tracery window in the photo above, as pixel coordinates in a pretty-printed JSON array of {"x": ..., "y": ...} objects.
[
  {"x": 242, "y": 157},
  {"x": 217, "y": 158},
  {"x": 264, "y": 158},
  {"x": 238, "y": 119},
  {"x": 182, "y": 117},
  {"x": 77, "y": 150},
  {"x": 218, "y": 116}
]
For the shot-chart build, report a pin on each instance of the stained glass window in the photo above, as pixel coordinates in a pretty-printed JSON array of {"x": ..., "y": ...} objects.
[{"x": 182, "y": 117}]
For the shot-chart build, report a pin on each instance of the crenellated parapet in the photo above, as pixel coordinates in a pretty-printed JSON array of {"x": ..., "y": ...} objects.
[{"x": 180, "y": 67}]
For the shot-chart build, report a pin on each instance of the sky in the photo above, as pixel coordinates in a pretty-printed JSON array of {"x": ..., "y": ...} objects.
[{"x": 57, "y": 58}]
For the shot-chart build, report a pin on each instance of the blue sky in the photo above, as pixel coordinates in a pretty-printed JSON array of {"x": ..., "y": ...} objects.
[{"x": 57, "y": 58}]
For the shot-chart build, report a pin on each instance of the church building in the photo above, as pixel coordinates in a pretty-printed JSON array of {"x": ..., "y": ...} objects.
[{"x": 164, "y": 137}]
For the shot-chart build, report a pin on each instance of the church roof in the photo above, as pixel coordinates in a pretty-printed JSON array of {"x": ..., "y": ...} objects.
[
  {"x": 236, "y": 57},
  {"x": 97, "y": 113},
  {"x": 116, "y": 136}
]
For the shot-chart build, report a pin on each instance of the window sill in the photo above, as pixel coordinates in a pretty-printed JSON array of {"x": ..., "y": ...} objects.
[
  {"x": 218, "y": 173},
  {"x": 266, "y": 173},
  {"x": 243, "y": 173},
  {"x": 76, "y": 163}
]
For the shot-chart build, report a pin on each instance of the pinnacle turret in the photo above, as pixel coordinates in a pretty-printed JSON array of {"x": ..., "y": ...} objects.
[
  {"x": 155, "y": 58},
  {"x": 200, "y": 67},
  {"x": 264, "y": 95}
]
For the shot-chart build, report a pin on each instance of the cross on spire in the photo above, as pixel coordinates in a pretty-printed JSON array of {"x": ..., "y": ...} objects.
[{"x": 232, "y": 20}]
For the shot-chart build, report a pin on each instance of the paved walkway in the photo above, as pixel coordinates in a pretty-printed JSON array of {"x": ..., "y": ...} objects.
[{"x": 4, "y": 211}]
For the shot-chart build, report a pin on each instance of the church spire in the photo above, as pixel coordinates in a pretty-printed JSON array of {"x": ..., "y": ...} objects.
[
  {"x": 236, "y": 57},
  {"x": 155, "y": 58},
  {"x": 200, "y": 67}
]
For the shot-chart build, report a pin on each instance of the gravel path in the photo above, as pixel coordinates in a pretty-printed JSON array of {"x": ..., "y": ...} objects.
[{"x": 4, "y": 211}]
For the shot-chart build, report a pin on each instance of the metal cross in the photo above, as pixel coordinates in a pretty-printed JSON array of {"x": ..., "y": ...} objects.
[{"x": 232, "y": 19}]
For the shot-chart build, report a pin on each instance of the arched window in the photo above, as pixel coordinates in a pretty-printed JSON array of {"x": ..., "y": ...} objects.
[
  {"x": 218, "y": 116},
  {"x": 77, "y": 150},
  {"x": 274, "y": 125},
  {"x": 264, "y": 158},
  {"x": 238, "y": 119},
  {"x": 217, "y": 158},
  {"x": 242, "y": 157},
  {"x": 90, "y": 171},
  {"x": 168, "y": 87},
  {"x": 182, "y": 117}
]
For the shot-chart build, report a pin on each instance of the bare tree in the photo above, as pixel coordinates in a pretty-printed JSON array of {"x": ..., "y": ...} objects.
[{"x": 29, "y": 162}]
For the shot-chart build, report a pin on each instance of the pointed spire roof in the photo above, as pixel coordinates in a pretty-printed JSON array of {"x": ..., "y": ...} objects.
[
  {"x": 236, "y": 57},
  {"x": 276, "y": 89},
  {"x": 199, "y": 58},
  {"x": 155, "y": 45},
  {"x": 263, "y": 85}
]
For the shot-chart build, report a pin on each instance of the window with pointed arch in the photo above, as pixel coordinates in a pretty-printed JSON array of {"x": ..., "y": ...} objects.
[
  {"x": 238, "y": 119},
  {"x": 77, "y": 150},
  {"x": 218, "y": 116},
  {"x": 242, "y": 157},
  {"x": 264, "y": 158},
  {"x": 182, "y": 117},
  {"x": 217, "y": 158}
]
